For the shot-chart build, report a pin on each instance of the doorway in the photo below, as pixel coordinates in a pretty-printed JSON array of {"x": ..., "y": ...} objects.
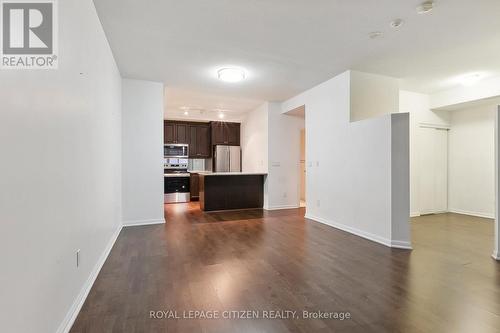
[
  {"x": 454, "y": 177},
  {"x": 433, "y": 165}
]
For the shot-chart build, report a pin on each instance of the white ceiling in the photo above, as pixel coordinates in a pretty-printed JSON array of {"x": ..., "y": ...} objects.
[
  {"x": 205, "y": 106},
  {"x": 289, "y": 46}
]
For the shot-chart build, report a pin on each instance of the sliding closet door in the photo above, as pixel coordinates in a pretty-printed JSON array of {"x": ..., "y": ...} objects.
[{"x": 433, "y": 166}]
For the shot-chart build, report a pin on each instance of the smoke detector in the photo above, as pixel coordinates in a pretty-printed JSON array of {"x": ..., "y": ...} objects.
[
  {"x": 425, "y": 7},
  {"x": 397, "y": 23}
]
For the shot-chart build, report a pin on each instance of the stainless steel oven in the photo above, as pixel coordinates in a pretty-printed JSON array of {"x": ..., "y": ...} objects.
[
  {"x": 177, "y": 187},
  {"x": 177, "y": 150}
]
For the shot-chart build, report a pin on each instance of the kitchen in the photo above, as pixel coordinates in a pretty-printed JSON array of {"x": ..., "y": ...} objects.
[{"x": 203, "y": 162}]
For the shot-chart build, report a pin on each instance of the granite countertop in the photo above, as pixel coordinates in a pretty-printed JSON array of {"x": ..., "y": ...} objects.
[{"x": 209, "y": 173}]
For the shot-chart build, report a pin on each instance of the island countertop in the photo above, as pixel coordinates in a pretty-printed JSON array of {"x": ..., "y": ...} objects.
[{"x": 209, "y": 173}]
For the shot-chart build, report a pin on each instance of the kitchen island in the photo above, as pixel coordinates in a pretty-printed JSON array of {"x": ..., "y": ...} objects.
[{"x": 231, "y": 190}]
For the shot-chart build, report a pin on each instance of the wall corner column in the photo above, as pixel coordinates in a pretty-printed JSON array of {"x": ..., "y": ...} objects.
[{"x": 400, "y": 181}]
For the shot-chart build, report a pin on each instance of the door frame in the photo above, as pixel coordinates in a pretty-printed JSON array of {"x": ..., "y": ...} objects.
[{"x": 436, "y": 127}]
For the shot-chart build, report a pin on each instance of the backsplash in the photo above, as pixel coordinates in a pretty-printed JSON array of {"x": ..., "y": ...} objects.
[{"x": 196, "y": 164}]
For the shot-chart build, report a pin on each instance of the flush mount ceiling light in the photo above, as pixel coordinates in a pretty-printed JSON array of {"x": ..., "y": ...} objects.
[
  {"x": 375, "y": 34},
  {"x": 220, "y": 113},
  {"x": 470, "y": 79},
  {"x": 187, "y": 109},
  {"x": 425, "y": 7},
  {"x": 397, "y": 23},
  {"x": 231, "y": 74}
]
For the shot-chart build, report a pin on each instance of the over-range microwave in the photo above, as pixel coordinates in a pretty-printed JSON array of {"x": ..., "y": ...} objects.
[{"x": 177, "y": 150}]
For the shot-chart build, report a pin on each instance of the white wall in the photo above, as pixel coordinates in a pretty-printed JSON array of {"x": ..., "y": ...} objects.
[
  {"x": 60, "y": 175},
  {"x": 418, "y": 106},
  {"x": 142, "y": 153},
  {"x": 472, "y": 161},
  {"x": 350, "y": 182},
  {"x": 372, "y": 95},
  {"x": 496, "y": 245},
  {"x": 271, "y": 144},
  {"x": 254, "y": 140},
  {"x": 283, "y": 181},
  {"x": 489, "y": 88}
]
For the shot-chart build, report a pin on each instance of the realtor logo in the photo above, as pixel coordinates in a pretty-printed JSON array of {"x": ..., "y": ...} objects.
[{"x": 29, "y": 34}]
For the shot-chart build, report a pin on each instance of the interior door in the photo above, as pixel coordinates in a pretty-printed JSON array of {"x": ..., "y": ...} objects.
[{"x": 433, "y": 166}]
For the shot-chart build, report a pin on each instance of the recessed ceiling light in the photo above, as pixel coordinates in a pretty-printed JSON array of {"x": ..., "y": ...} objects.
[
  {"x": 375, "y": 34},
  {"x": 471, "y": 79},
  {"x": 397, "y": 23},
  {"x": 186, "y": 113},
  {"x": 231, "y": 74},
  {"x": 425, "y": 7}
]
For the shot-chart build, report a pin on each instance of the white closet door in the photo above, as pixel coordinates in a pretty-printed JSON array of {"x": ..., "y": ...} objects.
[
  {"x": 433, "y": 166},
  {"x": 441, "y": 171}
]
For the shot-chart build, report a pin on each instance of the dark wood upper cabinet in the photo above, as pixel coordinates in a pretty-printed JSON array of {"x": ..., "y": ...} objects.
[
  {"x": 199, "y": 140},
  {"x": 201, "y": 136},
  {"x": 192, "y": 141},
  {"x": 219, "y": 135},
  {"x": 182, "y": 133},
  {"x": 203, "y": 141},
  {"x": 168, "y": 132},
  {"x": 233, "y": 134},
  {"x": 175, "y": 132},
  {"x": 224, "y": 133}
]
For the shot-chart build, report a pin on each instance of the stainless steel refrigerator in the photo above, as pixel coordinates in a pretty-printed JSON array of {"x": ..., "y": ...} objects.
[{"x": 227, "y": 159}]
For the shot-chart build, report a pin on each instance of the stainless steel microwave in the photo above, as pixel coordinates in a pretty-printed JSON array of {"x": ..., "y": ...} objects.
[{"x": 177, "y": 150}]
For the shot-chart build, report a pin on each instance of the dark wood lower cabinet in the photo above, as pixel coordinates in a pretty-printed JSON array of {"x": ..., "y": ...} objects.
[
  {"x": 231, "y": 192},
  {"x": 194, "y": 181}
]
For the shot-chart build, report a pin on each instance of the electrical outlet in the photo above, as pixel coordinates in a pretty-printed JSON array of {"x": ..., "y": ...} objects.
[
  {"x": 78, "y": 258},
  {"x": 284, "y": 195},
  {"x": 318, "y": 203},
  {"x": 317, "y": 163}
]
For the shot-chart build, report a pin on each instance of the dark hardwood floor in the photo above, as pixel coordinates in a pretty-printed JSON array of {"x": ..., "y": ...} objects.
[{"x": 257, "y": 260}]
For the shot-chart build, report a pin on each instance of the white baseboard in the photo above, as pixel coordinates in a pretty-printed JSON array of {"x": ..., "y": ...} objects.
[
  {"x": 465, "y": 212},
  {"x": 401, "y": 245},
  {"x": 73, "y": 312},
  {"x": 496, "y": 255},
  {"x": 363, "y": 234},
  {"x": 415, "y": 214},
  {"x": 142, "y": 222},
  {"x": 281, "y": 207}
]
